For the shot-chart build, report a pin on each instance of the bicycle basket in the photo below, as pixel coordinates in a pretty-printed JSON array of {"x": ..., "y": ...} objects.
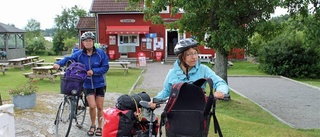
[{"x": 71, "y": 86}]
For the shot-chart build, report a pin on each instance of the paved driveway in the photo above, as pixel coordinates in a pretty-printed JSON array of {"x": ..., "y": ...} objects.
[{"x": 292, "y": 102}]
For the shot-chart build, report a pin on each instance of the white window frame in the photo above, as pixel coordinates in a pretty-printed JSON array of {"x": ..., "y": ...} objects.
[
  {"x": 132, "y": 45},
  {"x": 181, "y": 10},
  {"x": 166, "y": 11},
  {"x": 128, "y": 44}
]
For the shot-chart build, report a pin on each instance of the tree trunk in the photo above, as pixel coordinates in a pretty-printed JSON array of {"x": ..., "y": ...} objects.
[{"x": 220, "y": 66}]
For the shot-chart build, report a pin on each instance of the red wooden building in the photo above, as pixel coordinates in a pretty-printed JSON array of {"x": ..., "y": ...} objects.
[{"x": 126, "y": 33}]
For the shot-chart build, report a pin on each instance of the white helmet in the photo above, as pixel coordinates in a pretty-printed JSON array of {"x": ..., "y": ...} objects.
[
  {"x": 87, "y": 35},
  {"x": 185, "y": 44}
]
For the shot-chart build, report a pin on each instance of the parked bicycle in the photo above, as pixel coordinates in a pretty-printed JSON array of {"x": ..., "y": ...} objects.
[{"x": 72, "y": 107}]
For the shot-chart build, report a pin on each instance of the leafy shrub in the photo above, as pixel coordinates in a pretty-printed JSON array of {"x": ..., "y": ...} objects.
[
  {"x": 26, "y": 89},
  {"x": 288, "y": 57}
]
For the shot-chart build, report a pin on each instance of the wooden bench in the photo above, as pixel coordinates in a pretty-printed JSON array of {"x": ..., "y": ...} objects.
[
  {"x": 230, "y": 64},
  {"x": 205, "y": 57},
  {"x": 33, "y": 64},
  {"x": 39, "y": 64},
  {"x": 42, "y": 72},
  {"x": 119, "y": 65},
  {"x": 39, "y": 61},
  {"x": 29, "y": 64}
]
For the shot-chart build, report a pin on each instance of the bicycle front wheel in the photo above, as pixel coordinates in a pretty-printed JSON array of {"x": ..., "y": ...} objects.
[
  {"x": 64, "y": 118},
  {"x": 80, "y": 111}
]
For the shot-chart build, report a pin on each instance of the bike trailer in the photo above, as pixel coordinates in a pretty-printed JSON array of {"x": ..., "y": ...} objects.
[{"x": 188, "y": 110}]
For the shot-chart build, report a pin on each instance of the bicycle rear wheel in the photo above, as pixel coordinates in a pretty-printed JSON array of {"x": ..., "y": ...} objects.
[
  {"x": 64, "y": 118},
  {"x": 80, "y": 113}
]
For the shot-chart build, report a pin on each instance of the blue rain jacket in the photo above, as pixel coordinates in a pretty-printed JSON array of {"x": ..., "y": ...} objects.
[{"x": 98, "y": 62}]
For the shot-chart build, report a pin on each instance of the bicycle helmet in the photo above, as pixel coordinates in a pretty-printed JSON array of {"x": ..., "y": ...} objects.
[
  {"x": 87, "y": 35},
  {"x": 185, "y": 44}
]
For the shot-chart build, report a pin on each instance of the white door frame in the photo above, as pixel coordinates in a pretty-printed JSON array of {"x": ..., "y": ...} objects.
[{"x": 180, "y": 36}]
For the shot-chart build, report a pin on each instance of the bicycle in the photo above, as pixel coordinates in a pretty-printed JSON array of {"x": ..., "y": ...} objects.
[
  {"x": 72, "y": 107},
  {"x": 150, "y": 118}
]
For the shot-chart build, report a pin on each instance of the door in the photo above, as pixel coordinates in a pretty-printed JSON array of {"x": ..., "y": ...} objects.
[{"x": 172, "y": 39}]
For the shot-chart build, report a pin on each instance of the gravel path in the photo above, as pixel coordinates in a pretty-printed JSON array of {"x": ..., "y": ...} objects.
[{"x": 293, "y": 103}]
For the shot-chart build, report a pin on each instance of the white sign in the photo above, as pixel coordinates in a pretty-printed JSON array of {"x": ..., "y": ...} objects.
[
  {"x": 142, "y": 61},
  {"x": 127, "y": 20}
]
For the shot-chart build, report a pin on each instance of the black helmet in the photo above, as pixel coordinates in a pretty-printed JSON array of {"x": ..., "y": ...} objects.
[
  {"x": 87, "y": 35},
  {"x": 185, "y": 44}
]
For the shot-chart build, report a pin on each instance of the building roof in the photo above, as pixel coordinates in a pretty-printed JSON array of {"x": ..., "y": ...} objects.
[
  {"x": 99, "y": 6},
  {"x": 86, "y": 23},
  {"x": 7, "y": 28}
]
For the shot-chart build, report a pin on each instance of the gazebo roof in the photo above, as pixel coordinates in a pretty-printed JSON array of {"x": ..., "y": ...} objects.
[{"x": 9, "y": 29}]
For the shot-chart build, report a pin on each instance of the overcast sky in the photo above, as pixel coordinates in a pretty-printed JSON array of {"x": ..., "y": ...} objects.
[{"x": 18, "y": 12}]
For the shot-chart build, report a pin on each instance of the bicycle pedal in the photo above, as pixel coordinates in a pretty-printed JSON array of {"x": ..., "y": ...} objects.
[{"x": 79, "y": 126}]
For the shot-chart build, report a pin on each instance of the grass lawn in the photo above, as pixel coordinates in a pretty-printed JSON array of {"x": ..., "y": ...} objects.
[
  {"x": 237, "y": 118},
  {"x": 117, "y": 82}
]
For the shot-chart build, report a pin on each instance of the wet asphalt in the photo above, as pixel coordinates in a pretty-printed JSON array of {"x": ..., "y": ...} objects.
[{"x": 291, "y": 102}]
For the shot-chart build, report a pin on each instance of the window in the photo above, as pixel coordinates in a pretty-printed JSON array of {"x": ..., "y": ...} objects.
[
  {"x": 128, "y": 43},
  {"x": 181, "y": 10},
  {"x": 166, "y": 10},
  {"x": 2, "y": 40}
]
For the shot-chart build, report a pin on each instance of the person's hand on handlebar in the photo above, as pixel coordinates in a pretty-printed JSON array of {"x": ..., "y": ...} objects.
[
  {"x": 218, "y": 95},
  {"x": 56, "y": 66},
  {"x": 155, "y": 103},
  {"x": 152, "y": 105}
]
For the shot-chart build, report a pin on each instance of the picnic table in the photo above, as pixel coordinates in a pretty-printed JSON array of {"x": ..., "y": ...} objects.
[
  {"x": 120, "y": 65},
  {"x": 58, "y": 58},
  {"x": 42, "y": 72},
  {"x": 39, "y": 64},
  {"x": 24, "y": 61}
]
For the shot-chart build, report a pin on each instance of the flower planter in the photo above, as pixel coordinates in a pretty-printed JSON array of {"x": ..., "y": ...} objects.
[{"x": 24, "y": 102}]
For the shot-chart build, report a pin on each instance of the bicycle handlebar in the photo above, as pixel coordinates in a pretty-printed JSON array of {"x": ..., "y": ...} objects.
[{"x": 145, "y": 104}]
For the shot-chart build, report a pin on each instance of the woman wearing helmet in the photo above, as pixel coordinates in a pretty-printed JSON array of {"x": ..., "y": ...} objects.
[
  {"x": 188, "y": 68},
  {"x": 97, "y": 65}
]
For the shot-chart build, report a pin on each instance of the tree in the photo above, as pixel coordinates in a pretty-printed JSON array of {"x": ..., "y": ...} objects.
[
  {"x": 35, "y": 42},
  {"x": 66, "y": 26},
  {"x": 69, "y": 43},
  {"x": 309, "y": 10},
  {"x": 228, "y": 23},
  {"x": 32, "y": 29}
]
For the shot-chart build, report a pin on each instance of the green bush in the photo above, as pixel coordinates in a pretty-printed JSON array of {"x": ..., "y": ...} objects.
[{"x": 287, "y": 56}]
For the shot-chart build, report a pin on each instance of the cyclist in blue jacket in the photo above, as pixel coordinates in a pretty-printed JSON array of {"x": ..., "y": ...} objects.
[
  {"x": 97, "y": 65},
  {"x": 187, "y": 68}
]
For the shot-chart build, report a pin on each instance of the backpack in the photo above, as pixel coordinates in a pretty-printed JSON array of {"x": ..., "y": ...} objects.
[
  {"x": 188, "y": 110},
  {"x": 72, "y": 81},
  {"x": 126, "y": 102}
]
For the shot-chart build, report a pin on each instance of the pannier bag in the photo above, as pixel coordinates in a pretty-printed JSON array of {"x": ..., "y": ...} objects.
[
  {"x": 118, "y": 123},
  {"x": 187, "y": 113},
  {"x": 72, "y": 81},
  {"x": 125, "y": 119}
]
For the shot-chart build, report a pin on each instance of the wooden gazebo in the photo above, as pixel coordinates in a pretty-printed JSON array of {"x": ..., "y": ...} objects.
[{"x": 12, "y": 42}]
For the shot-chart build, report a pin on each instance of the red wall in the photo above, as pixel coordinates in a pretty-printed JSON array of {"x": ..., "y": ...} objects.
[{"x": 114, "y": 20}]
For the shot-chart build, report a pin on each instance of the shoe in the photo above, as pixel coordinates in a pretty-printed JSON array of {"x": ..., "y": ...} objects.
[
  {"x": 99, "y": 131},
  {"x": 90, "y": 132}
]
